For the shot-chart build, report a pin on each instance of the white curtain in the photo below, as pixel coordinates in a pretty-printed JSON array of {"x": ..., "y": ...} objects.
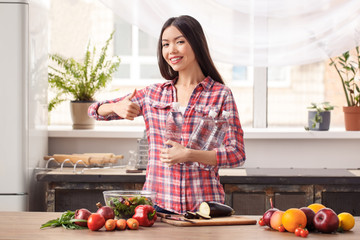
[{"x": 257, "y": 32}]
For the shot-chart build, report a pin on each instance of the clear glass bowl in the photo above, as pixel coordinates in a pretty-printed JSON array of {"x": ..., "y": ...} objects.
[{"x": 124, "y": 202}]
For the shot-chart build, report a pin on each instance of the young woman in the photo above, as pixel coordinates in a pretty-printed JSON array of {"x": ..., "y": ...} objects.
[{"x": 193, "y": 81}]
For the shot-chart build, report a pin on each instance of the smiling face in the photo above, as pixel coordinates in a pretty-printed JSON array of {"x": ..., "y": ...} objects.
[{"x": 176, "y": 50}]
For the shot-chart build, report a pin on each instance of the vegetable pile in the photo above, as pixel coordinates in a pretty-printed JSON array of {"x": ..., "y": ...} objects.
[{"x": 144, "y": 215}]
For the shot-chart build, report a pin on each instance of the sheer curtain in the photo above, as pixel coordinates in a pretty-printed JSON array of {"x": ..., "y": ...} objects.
[{"x": 257, "y": 32}]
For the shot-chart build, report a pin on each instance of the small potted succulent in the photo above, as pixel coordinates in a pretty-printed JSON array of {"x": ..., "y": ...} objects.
[
  {"x": 348, "y": 68},
  {"x": 319, "y": 116},
  {"x": 79, "y": 81}
]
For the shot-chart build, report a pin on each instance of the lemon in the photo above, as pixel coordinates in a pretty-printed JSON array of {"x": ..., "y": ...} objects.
[{"x": 346, "y": 221}]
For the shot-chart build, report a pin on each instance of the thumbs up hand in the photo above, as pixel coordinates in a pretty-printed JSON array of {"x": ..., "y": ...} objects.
[{"x": 126, "y": 108}]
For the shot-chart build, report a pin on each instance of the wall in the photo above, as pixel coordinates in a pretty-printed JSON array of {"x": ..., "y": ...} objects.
[{"x": 265, "y": 148}]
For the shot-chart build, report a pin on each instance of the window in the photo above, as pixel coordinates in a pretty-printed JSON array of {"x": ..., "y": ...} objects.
[
  {"x": 275, "y": 96},
  {"x": 138, "y": 53}
]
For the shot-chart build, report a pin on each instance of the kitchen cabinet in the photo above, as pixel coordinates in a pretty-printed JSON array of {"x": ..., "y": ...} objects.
[{"x": 248, "y": 191}]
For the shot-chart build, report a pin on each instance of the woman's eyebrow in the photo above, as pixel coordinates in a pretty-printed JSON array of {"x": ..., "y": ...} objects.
[{"x": 166, "y": 40}]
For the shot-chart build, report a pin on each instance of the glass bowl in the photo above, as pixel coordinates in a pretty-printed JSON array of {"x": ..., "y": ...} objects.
[{"x": 124, "y": 202}]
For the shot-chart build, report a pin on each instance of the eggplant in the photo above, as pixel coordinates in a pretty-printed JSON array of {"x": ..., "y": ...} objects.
[
  {"x": 215, "y": 209},
  {"x": 203, "y": 216},
  {"x": 190, "y": 215}
]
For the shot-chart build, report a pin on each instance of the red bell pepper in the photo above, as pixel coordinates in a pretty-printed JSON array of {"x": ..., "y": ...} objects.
[{"x": 146, "y": 215}]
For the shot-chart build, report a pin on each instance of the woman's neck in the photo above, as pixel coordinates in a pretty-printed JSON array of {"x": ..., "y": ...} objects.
[{"x": 190, "y": 77}]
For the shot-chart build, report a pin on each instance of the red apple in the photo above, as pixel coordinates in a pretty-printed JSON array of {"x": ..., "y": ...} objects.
[
  {"x": 310, "y": 214},
  {"x": 326, "y": 220},
  {"x": 267, "y": 215}
]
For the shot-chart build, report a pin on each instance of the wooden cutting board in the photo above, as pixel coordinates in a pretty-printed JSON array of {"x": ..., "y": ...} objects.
[{"x": 231, "y": 220}]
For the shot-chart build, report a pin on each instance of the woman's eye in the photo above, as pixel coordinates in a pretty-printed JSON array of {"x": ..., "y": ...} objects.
[
  {"x": 165, "y": 45},
  {"x": 181, "y": 42}
]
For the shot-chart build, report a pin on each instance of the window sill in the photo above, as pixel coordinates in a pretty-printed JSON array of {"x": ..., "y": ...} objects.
[{"x": 249, "y": 133}]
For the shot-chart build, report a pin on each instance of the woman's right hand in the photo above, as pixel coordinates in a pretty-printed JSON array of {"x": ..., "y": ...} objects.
[{"x": 126, "y": 108}]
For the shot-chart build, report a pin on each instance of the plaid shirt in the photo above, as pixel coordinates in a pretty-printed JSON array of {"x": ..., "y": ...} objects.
[{"x": 183, "y": 187}]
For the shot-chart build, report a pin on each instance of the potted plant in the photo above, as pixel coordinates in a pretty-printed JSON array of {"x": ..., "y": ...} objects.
[
  {"x": 79, "y": 81},
  {"x": 319, "y": 116},
  {"x": 347, "y": 66}
]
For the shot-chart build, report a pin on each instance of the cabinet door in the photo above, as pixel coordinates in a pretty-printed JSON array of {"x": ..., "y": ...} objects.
[
  {"x": 72, "y": 196},
  {"x": 339, "y": 198},
  {"x": 247, "y": 199}
]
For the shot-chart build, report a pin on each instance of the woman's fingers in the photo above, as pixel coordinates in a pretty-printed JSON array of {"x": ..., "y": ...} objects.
[{"x": 127, "y": 109}]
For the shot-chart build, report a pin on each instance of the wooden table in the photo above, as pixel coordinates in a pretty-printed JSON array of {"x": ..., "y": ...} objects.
[{"x": 26, "y": 225}]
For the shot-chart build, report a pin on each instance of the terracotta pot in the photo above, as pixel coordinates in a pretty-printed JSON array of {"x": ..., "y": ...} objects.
[
  {"x": 79, "y": 115},
  {"x": 352, "y": 118}
]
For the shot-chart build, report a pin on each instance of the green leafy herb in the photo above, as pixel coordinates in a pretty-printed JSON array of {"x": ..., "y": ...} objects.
[{"x": 66, "y": 220}]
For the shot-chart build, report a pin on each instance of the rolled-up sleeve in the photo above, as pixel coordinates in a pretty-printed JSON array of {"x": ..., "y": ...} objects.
[
  {"x": 93, "y": 109},
  {"x": 232, "y": 153}
]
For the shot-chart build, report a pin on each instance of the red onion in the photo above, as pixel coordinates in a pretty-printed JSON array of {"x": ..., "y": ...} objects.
[
  {"x": 82, "y": 213},
  {"x": 105, "y": 211}
]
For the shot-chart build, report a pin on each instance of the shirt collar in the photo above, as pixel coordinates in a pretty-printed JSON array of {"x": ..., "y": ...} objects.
[{"x": 206, "y": 83}]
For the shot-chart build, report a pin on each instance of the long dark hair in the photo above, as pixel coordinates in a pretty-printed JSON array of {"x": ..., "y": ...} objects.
[{"x": 194, "y": 34}]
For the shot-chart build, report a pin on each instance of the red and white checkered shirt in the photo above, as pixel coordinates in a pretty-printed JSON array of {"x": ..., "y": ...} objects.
[{"x": 183, "y": 187}]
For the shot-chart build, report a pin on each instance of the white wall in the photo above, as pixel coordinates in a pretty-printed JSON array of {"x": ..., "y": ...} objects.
[{"x": 265, "y": 148}]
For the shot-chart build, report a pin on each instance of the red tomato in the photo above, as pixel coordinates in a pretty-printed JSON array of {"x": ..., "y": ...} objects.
[
  {"x": 298, "y": 231},
  {"x": 304, "y": 232},
  {"x": 261, "y": 222},
  {"x": 95, "y": 221},
  {"x": 281, "y": 228}
]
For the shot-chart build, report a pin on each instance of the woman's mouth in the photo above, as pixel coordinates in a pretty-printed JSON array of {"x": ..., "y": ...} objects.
[{"x": 175, "y": 60}]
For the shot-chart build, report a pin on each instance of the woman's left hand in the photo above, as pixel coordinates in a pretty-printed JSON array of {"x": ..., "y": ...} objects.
[{"x": 174, "y": 154}]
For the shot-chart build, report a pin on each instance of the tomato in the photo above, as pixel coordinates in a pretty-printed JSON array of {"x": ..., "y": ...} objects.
[
  {"x": 304, "y": 232},
  {"x": 121, "y": 224},
  {"x": 132, "y": 223},
  {"x": 261, "y": 222},
  {"x": 110, "y": 224},
  {"x": 298, "y": 231},
  {"x": 95, "y": 221},
  {"x": 281, "y": 228}
]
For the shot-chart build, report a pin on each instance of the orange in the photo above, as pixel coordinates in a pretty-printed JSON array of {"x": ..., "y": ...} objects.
[
  {"x": 316, "y": 207},
  {"x": 293, "y": 218},
  {"x": 346, "y": 221}
]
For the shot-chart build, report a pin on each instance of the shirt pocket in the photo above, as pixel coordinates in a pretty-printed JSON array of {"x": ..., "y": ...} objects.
[
  {"x": 200, "y": 111},
  {"x": 157, "y": 118}
]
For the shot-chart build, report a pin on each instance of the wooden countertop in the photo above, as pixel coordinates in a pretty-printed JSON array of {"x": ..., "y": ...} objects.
[{"x": 26, "y": 225}]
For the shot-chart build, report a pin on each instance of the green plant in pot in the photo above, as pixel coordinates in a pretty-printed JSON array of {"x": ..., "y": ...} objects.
[
  {"x": 319, "y": 116},
  {"x": 348, "y": 68},
  {"x": 80, "y": 81}
]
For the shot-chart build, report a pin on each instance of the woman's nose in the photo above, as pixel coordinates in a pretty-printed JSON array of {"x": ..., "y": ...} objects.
[{"x": 173, "y": 48}]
